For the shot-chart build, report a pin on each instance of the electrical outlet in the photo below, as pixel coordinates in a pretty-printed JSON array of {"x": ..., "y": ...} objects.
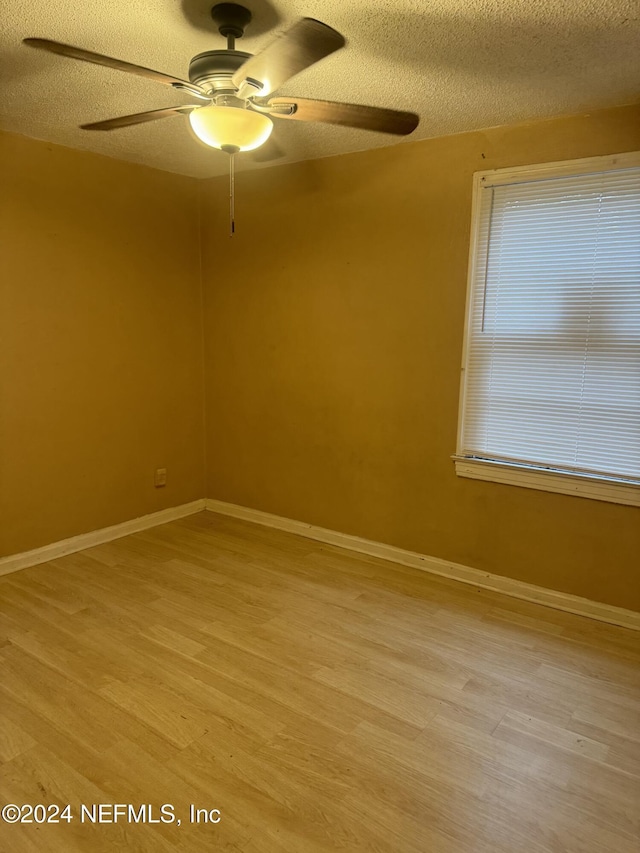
[{"x": 160, "y": 478}]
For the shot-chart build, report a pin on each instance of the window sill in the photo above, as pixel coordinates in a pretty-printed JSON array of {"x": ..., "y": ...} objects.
[{"x": 579, "y": 485}]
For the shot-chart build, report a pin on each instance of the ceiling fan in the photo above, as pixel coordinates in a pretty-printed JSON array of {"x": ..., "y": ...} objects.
[
  {"x": 224, "y": 80},
  {"x": 233, "y": 88}
]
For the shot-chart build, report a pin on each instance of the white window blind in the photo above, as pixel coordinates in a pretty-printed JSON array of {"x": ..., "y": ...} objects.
[{"x": 552, "y": 368}]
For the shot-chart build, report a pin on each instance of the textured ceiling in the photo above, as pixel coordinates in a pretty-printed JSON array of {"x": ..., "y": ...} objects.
[{"x": 460, "y": 64}]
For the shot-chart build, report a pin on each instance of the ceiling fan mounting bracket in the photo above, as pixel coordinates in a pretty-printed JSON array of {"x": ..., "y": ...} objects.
[
  {"x": 231, "y": 19},
  {"x": 214, "y": 69}
]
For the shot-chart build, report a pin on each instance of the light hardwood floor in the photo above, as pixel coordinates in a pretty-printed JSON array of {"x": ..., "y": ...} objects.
[{"x": 321, "y": 700}]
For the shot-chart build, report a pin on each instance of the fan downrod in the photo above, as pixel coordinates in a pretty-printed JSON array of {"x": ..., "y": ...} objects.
[{"x": 231, "y": 19}]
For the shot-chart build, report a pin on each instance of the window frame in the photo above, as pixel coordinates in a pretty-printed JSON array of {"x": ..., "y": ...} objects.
[{"x": 549, "y": 479}]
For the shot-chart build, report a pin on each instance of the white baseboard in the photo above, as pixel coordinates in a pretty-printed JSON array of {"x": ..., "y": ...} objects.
[
  {"x": 96, "y": 537},
  {"x": 454, "y": 571}
]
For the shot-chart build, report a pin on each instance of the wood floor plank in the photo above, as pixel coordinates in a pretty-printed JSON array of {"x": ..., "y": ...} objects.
[
  {"x": 13, "y": 739},
  {"x": 321, "y": 700}
]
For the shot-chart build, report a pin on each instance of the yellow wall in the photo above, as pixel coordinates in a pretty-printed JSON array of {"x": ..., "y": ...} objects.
[
  {"x": 334, "y": 323},
  {"x": 100, "y": 342}
]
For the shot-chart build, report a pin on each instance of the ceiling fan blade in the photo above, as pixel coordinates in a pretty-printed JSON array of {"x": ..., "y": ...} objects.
[
  {"x": 138, "y": 118},
  {"x": 118, "y": 64},
  {"x": 269, "y": 151},
  {"x": 348, "y": 115},
  {"x": 303, "y": 44}
]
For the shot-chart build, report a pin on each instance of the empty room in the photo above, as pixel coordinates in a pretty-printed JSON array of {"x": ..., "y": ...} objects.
[{"x": 320, "y": 427}]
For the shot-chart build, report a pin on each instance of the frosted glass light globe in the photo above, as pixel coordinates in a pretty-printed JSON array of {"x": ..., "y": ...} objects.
[{"x": 238, "y": 128}]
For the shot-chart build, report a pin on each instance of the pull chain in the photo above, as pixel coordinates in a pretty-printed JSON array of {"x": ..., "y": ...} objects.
[{"x": 232, "y": 193}]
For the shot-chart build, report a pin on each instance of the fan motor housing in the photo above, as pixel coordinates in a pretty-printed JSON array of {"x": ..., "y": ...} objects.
[{"x": 214, "y": 69}]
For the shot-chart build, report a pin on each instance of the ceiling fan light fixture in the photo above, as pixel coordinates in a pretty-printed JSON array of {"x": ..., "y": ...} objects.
[{"x": 230, "y": 127}]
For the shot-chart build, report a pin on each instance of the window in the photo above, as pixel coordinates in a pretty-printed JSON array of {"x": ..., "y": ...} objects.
[{"x": 550, "y": 393}]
